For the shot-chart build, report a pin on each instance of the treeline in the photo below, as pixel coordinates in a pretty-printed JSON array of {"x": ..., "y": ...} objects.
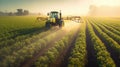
[{"x": 19, "y": 12}]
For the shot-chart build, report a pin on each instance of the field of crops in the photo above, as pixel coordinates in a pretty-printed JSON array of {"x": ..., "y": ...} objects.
[{"x": 24, "y": 42}]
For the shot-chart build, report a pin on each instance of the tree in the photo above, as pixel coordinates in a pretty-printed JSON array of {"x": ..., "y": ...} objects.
[
  {"x": 10, "y": 13},
  {"x": 19, "y": 12},
  {"x": 26, "y": 12}
]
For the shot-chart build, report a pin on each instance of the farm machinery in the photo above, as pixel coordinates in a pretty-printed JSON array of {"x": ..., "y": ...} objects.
[
  {"x": 75, "y": 18},
  {"x": 54, "y": 19}
]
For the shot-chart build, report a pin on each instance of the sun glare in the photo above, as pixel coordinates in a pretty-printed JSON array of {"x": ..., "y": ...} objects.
[{"x": 106, "y": 2}]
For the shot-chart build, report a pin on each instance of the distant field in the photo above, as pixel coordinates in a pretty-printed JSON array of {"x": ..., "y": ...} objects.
[
  {"x": 16, "y": 26},
  {"x": 10, "y": 23},
  {"x": 26, "y": 43}
]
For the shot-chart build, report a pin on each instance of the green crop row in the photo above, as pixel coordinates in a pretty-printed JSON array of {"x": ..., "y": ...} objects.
[
  {"x": 101, "y": 53},
  {"x": 112, "y": 29},
  {"x": 78, "y": 54},
  {"x": 16, "y": 28},
  {"x": 11, "y": 41},
  {"x": 53, "y": 53},
  {"x": 112, "y": 21},
  {"x": 109, "y": 24},
  {"x": 35, "y": 44},
  {"x": 8, "y": 50},
  {"x": 103, "y": 23},
  {"x": 13, "y": 23},
  {"x": 111, "y": 34},
  {"x": 113, "y": 44},
  {"x": 116, "y": 28}
]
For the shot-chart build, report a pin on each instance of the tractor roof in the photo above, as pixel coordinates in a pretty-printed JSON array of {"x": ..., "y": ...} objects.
[{"x": 54, "y": 11}]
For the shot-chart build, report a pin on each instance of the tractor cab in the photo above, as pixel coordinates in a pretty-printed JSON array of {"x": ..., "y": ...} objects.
[
  {"x": 53, "y": 16},
  {"x": 54, "y": 19}
]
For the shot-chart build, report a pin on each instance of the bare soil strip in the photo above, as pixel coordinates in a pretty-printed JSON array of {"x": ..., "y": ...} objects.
[
  {"x": 115, "y": 56},
  {"x": 92, "y": 61}
]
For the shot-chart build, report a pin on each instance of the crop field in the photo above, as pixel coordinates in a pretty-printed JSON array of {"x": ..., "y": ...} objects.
[{"x": 94, "y": 42}]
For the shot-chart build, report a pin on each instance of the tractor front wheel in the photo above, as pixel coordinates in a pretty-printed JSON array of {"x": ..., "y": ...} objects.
[{"x": 47, "y": 25}]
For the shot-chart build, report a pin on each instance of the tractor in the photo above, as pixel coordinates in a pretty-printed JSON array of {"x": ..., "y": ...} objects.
[{"x": 54, "y": 19}]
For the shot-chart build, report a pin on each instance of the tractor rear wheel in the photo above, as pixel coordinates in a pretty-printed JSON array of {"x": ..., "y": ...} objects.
[{"x": 61, "y": 24}]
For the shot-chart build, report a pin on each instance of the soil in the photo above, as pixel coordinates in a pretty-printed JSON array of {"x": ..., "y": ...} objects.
[{"x": 92, "y": 61}]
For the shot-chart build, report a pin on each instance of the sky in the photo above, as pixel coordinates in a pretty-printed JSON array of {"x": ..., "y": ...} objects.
[{"x": 68, "y": 7}]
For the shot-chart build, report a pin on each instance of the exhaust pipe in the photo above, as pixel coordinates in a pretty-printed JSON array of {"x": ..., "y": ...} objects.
[{"x": 60, "y": 15}]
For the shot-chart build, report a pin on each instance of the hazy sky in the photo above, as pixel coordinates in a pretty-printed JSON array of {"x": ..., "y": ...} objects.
[{"x": 68, "y": 7}]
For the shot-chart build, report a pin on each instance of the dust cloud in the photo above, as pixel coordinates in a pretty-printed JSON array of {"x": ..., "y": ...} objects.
[
  {"x": 55, "y": 34},
  {"x": 104, "y": 11},
  {"x": 70, "y": 25}
]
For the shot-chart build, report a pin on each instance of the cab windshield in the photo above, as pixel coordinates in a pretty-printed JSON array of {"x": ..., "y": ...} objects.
[{"x": 54, "y": 15}]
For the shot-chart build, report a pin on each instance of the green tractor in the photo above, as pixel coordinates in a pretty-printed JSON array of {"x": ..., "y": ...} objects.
[{"x": 54, "y": 19}]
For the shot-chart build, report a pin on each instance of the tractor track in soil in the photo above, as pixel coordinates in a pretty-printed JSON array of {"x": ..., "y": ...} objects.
[
  {"x": 29, "y": 62},
  {"x": 62, "y": 59},
  {"x": 114, "y": 55},
  {"x": 90, "y": 51}
]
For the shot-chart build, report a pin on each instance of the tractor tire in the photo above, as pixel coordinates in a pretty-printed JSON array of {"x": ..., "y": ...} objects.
[
  {"x": 47, "y": 25},
  {"x": 61, "y": 24}
]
